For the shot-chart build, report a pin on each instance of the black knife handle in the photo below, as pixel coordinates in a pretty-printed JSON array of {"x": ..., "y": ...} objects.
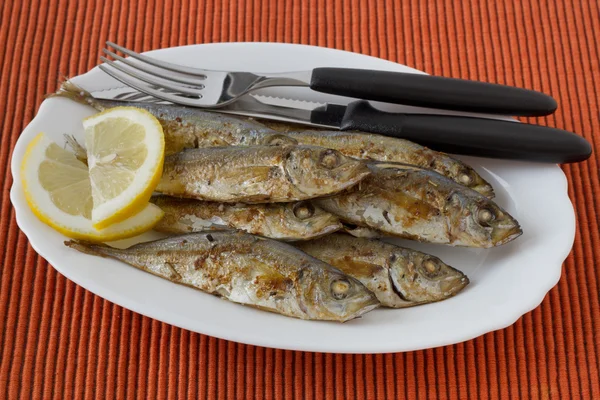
[
  {"x": 471, "y": 136},
  {"x": 432, "y": 91}
]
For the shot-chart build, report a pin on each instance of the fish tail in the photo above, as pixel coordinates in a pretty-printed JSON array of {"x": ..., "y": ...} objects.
[
  {"x": 94, "y": 249},
  {"x": 71, "y": 91},
  {"x": 78, "y": 149}
]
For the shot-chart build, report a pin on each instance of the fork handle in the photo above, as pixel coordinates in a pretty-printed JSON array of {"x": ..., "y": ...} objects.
[{"x": 432, "y": 91}]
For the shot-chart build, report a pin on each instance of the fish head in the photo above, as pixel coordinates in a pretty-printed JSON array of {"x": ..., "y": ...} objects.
[
  {"x": 422, "y": 278},
  {"x": 312, "y": 168},
  {"x": 304, "y": 216},
  {"x": 467, "y": 176},
  {"x": 330, "y": 294},
  {"x": 475, "y": 220}
]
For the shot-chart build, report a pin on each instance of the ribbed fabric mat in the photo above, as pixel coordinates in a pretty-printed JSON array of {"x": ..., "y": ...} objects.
[{"x": 58, "y": 341}]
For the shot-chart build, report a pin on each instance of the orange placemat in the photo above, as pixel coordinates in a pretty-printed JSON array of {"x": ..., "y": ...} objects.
[{"x": 59, "y": 341}]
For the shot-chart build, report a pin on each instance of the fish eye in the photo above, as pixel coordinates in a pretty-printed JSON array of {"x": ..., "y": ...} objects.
[
  {"x": 304, "y": 210},
  {"x": 431, "y": 267},
  {"x": 280, "y": 140},
  {"x": 329, "y": 159},
  {"x": 485, "y": 216},
  {"x": 340, "y": 288},
  {"x": 466, "y": 177}
]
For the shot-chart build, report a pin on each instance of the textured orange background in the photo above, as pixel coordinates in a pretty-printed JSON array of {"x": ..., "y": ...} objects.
[{"x": 60, "y": 341}]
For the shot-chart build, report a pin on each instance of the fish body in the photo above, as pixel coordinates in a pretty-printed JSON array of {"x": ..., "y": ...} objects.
[
  {"x": 246, "y": 269},
  {"x": 283, "y": 221},
  {"x": 186, "y": 127},
  {"x": 259, "y": 174},
  {"x": 398, "y": 276},
  {"x": 420, "y": 204}
]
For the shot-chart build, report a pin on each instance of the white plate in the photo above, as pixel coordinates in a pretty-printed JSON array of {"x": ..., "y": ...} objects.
[{"x": 506, "y": 282}]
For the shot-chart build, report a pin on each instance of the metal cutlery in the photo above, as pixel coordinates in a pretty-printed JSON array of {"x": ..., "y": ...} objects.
[{"x": 204, "y": 88}]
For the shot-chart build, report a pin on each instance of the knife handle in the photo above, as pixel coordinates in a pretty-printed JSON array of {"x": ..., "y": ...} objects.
[
  {"x": 432, "y": 91},
  {"x": 471, "y": 136}
]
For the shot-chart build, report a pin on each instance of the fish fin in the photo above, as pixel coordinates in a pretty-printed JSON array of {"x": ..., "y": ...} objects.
[
  {"x": 78, "y": 149},
  {"x": 71, "y": 91},
  {"x": 94, "y": 249}
]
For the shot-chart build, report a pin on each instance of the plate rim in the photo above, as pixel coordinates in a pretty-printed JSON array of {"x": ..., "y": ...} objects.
[{"x": 492, "y": 324}]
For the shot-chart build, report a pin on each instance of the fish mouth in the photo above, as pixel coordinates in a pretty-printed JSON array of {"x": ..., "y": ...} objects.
[
  {"x": 503, "y": 235},
  {"x": 327, "y": 226},
  {"x": 454, "y": 285},
  {"x": 354, "y": 174},
  {"x": 485, "y": 189},
  {"x": 447, "y": 287},
  {"x": 361, "y": 307}
]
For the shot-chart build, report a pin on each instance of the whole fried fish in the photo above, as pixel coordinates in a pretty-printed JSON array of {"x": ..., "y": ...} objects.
[
  {"x": 184, "y": 127},
  {"x": 246, "y": 269},
  {"x": 259, "y": 174},
  {"x": 398, "y": 276},
  {"x": 368, "y": 146},
  {"x": 420, "y": 204},
  {"x": 193, "y": 128},
  {"x": 283, "y": 221}
]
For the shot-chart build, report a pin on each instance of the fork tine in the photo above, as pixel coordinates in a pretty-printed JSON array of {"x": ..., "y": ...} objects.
[
  {"x": 153, "y": 71},
  {"x": 156, "y": 81},
  {"x": 142, "y": 87},
  {"x": 157, "y": 63}
]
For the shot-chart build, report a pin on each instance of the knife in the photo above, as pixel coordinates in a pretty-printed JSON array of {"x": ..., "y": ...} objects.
[
  {"x": 429, "y": 91},
  {"x": 452, "y": 134}
]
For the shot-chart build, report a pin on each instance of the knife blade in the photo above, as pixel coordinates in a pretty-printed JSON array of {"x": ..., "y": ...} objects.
[{"x": 448, "y": 133}]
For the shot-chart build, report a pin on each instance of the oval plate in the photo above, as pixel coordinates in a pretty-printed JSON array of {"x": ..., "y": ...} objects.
[{"x": 506, "y": 282}]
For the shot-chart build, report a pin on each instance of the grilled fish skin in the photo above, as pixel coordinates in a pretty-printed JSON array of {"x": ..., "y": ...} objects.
[
  {"x": 398, "y": 276},
  {"x": 259, "y": 174},
  {"x": 282, "y": 221},
  {"x": 246, "y": 269},
  {"x": 193, "y": 128},
  {"x": 419, "y": 204}
]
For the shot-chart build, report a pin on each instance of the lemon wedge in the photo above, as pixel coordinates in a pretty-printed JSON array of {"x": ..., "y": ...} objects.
[
  {"x": 57, "y": 188},
  {"x": 125, "y": 154}
]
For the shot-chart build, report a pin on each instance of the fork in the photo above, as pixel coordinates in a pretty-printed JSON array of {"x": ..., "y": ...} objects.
[{"x": 205, "y": 88}]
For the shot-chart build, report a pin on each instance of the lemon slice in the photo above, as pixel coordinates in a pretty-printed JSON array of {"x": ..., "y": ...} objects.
[
  {"x": 125, "y": 153},
  {"x": 57, "y": 188}
]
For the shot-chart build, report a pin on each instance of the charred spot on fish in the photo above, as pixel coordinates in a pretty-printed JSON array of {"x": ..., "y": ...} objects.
[
  {"x": 329, "y": 159},
  {"x": 303, "y": 210},
  {"x": 485, "y": 216},
  {"x": 178, "y": 119},
  {"x": 340, "y": 288},
  {"x": 210, "y": 238},
  {"x": 275, "y": 173},
  {"x": 393, "y": 258},
  {"x": 199, "y": 262},
  {"x": 386, "y": 216}
]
